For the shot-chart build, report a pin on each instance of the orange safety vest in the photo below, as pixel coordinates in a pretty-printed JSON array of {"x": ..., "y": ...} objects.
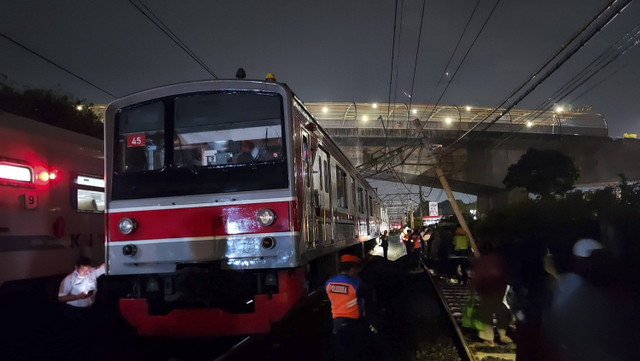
[{"x": 343, "y": 294}]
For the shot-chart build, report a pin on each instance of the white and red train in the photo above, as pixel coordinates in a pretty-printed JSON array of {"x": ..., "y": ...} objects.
[
  {"x": 51, "y": 200},
  {"x": 226, "y": 203}
]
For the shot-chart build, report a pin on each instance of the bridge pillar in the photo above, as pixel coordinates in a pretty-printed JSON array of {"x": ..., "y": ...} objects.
[{"x": 503, "y": 199}]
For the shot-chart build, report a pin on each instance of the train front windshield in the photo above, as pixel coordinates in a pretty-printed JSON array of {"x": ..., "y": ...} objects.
[{"x": 211, "y": 142}]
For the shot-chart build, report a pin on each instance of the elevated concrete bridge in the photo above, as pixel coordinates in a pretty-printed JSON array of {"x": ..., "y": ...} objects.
[{"x": 408, "y": 145}]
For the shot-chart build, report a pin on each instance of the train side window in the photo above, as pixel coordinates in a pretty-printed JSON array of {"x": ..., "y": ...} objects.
[
  {"x": 371, "y": 206},
  {"x": 341, "y": 188},
  {"x": 305, "y": 158},
  {"x": 326, "y": 176},
  {"x": 89, "y": 194},
  {"x": 319, "y": 165},
  {"x": 353, "y": 192},
  {"x": 16, "y": 172},
  {"x": 360, "y": 200}
]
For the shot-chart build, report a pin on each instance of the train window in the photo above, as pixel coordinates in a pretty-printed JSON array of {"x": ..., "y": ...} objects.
[
  {"x": 326, "y": 176},
  {"x": 227, "y": 128},
  {"x": 89, "y": 194},
  {"x": 360, "y": 200},
  {"x": 231, "y": 141},
  {"x": 305, "y": 159},
  {"x": 319, "y": 162},
  {"x": 371, "y": 206},
  {"x": 16, "y": 172},
  {"x": 341, "y": 188},
  {"x": 140, "y": 138},
  {"x": 353, "y": 192}
]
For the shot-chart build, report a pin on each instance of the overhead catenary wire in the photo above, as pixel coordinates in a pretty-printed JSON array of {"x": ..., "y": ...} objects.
[
  {"x": 605, "y": 58},
  {"x": 413, "y": 144},
  {"x": 17, "y": 43},
  {"x": 415, "y": 61},
  {"x": 619, "y": 48},
  {"x": 155, "y": 20},
  {"x": 615, "y": 9},
  {"x": 393, "y": 53}
]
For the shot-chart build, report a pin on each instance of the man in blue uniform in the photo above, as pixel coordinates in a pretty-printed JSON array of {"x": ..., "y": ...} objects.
[{"x": 347, "y": 295}]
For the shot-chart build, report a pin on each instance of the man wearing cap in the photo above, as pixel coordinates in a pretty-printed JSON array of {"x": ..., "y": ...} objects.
[
  {"x": 347, "y": 295},
  {"x": 585, "y": 321}
]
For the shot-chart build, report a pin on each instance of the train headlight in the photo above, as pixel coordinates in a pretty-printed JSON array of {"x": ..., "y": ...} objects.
[
  {"x": 127, "y": 225},
  {"x": 266, "y": 217}
]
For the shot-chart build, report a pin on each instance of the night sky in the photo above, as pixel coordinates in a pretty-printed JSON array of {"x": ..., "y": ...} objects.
[{"x": 324, "y": 50}]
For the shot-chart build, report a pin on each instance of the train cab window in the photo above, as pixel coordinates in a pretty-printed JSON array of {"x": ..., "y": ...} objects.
[
  {"x": 227, "y": 129},
  {"x": 89, "y": 194},
  {"x": 140, "y": 138},
  {"x": 15, "y": 172}
]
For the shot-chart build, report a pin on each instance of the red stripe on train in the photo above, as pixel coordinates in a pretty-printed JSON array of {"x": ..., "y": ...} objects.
[{"x": 201, "y": 221}]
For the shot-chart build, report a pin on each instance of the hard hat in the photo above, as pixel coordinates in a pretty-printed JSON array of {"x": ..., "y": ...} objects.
[
  {"x": 270, "y": 77},
  {"x": 350, "y": 258},
  {"x": 585, "y": 246}
]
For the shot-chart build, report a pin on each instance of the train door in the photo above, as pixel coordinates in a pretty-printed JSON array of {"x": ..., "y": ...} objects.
[
  {"x": 307, "y": 228},
  {"x": 354, "y": 207},
  {"x": 323, "y": 215}
]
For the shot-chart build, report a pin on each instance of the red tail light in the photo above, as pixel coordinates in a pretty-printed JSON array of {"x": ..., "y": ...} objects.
[{"x": 43, "y": 176}]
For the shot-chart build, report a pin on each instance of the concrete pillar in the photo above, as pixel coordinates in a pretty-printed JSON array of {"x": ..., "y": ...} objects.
[{"x": 487, "y": 202}]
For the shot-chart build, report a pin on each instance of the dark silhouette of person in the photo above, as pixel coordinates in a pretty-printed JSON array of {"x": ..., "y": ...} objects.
[{"x": 246, "y": 156}]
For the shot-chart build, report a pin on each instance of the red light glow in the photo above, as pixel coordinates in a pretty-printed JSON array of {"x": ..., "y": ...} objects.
[{"x": 43, "y": 176}]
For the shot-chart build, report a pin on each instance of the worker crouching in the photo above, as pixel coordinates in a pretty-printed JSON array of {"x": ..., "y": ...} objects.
[{"x": 348, "y": 295}]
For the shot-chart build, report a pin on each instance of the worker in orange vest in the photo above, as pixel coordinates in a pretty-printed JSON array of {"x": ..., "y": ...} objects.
[{"x": 347, "y": 294}]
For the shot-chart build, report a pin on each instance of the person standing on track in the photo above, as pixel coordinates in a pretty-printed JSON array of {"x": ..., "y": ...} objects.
[
  {"x": 384, "y": 242},
  {"x": 78, "y": 293},
  {"x": 78, "y": 290},
  {"x": 347, "y": 294}
]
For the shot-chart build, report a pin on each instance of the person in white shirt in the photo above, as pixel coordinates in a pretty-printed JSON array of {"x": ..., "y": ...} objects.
[{"x": 79, "y": 288}]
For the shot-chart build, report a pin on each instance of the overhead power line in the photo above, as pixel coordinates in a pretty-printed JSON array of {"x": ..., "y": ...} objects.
[
  {"x": 55, "y": 64},
  {"x": 393, "y": 54},
  {"x": 155, "y": 20},
  {"x": 390, "y": 155},
  {"x": 615, "y": 51},
  {"x": 614, "y": 9}
]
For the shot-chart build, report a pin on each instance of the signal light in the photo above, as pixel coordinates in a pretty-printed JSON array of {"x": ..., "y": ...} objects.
[{"x": 43, "y": 176}]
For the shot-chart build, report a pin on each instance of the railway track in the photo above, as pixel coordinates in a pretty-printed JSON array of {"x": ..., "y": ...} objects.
[{"x": 454, "y": 298}]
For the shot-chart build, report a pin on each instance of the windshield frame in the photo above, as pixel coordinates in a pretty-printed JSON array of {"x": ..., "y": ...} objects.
[{"x": 207, "y": 179}]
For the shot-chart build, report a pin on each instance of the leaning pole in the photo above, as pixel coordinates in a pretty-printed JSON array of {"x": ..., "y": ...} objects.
[{"x": 456, "y": 210}]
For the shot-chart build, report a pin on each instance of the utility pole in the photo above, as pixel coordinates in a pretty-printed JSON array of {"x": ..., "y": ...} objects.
[
  {"x": 456, "y": 210},
  {"x": 420, "y": 190},
  {"x": 411, "y": 214}
]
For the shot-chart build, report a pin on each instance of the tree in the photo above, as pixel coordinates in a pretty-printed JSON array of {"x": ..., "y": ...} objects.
[
  {"x": 543, "y": 173},
  {"x": 51, "y": 108}
]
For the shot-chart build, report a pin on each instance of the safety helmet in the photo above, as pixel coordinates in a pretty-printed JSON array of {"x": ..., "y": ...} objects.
[
  {"x": 270, "y": 77},
  {"x": 585, "y": 246}
]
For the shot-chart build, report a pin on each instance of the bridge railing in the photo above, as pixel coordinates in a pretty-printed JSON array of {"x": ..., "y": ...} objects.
[{"x": 404, "y": 121}]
